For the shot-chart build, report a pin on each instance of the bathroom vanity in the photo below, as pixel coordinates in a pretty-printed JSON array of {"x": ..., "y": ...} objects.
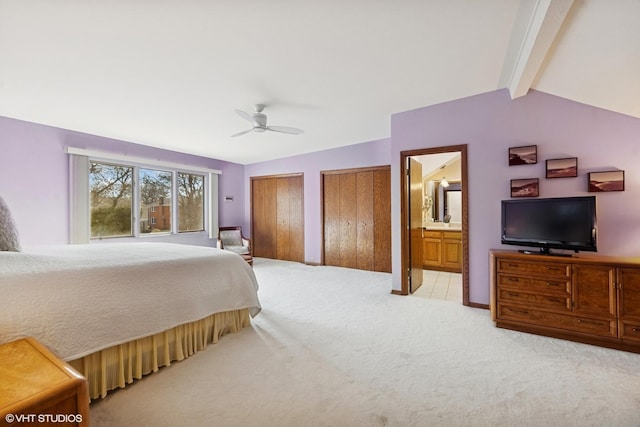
[{"x": 442, "y": 247}]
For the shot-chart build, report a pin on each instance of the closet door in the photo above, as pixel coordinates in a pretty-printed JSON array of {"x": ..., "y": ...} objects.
[
  {"x": 365, "y": 222},
  {"x": 357, "y": 218},
  {"x": 282, "y": 220},
  {"x": 348, "y": 218},
  {"x": 290, "y": 228},
  {"x": 296, "y": 218},
  {"x": 263, "y": 203},
  {"x": 277, "y": 217},
  {"x": 382, "y": 220},
  {"x": 331, "y": 226}
]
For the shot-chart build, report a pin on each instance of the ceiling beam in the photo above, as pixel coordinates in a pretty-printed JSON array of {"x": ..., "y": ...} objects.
[{"x": 544, "y": 24}]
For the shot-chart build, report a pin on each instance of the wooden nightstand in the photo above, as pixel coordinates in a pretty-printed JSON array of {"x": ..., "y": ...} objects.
[{"x": 37, "y": 388}]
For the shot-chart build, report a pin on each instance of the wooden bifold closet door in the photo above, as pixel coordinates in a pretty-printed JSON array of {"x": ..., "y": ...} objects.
[
  {"x": 357, "y": 218},
  {"x": 277, "y": 217}
]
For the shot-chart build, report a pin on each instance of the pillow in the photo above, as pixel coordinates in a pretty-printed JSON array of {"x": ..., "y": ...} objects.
[{"x": 8, "y": 233}]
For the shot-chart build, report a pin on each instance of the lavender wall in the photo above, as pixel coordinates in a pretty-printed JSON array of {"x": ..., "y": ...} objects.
[
  {"x": 34, "y": 178},
  {"x": 34, "y": 181},
  {"x": 34, "y": 170},
  {"x": 374, "y": 153},
  {"x": 491, "y": 123}
]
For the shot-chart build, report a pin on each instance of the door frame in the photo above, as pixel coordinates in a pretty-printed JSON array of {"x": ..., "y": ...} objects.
[{"x": 405, "y": 230}]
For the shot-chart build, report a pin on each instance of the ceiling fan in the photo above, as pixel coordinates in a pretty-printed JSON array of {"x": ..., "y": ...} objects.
[{"x": 259, "y": 122}]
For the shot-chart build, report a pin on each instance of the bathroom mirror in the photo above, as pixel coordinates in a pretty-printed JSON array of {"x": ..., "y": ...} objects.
[{"x": 441, "y": 201}]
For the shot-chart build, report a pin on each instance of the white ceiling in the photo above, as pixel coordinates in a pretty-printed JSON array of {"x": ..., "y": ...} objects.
[
  {"x": 169, "y": 73},
  {"x": 432, "y": 163}
]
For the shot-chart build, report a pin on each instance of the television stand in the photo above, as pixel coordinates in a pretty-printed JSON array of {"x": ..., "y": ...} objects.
[{"x": 587, "y": 298}]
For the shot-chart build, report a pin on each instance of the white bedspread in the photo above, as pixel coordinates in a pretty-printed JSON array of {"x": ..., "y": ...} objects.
[{"x": 78, "y": 299}]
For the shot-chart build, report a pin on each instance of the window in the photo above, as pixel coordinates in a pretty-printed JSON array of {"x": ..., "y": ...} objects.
[
  {"x": 155, "y": 201},
  {"x": 110, "y": 187},
  {"x": 113, "y": 189},
  {"x": 190, "y": 202},
  {"x": 114, "y": 195}
]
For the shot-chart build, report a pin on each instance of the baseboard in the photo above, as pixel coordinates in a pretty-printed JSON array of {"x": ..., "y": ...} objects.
[{"x": 477, "y": 305}]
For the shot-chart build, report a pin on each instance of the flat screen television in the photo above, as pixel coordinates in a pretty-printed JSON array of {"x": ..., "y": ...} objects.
[{"x": 552, "y": 223}]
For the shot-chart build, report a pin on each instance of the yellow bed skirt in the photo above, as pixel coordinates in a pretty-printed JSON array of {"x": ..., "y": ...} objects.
[{"x": 121, "y": 364}]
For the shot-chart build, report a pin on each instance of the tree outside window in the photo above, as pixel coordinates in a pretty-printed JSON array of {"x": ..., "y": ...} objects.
[
  {"x": 190, "y": 202},
  {"x": 110, "y": 187}
]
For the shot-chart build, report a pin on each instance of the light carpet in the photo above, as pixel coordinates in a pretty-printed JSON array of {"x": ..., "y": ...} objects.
[{"x": 333, "y": 347}]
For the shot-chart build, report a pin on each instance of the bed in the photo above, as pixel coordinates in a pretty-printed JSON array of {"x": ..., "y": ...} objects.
[{"x": 117, "y": 311}]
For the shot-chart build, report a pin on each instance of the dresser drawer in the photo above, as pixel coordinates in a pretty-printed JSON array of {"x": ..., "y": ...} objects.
[
  {"x": 630, "y": 331},
  {"x": 555, "y": 285},
  {"x": 601, "y": 327},
  {"x": 521, "y": 267},
  {"x": 432, "y": 234},
  {"x": 453, "y": 235},
  {"x": 552, "y": 302}
]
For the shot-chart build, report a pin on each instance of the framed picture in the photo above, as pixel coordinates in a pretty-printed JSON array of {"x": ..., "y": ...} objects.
[
  {"x": 562, "y": 168},
  {"x": 606, "y": 181},
  {"x": 525, "y": 155},
  {"x": 528, "y": 187}
]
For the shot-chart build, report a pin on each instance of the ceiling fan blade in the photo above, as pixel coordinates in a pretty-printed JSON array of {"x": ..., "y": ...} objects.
[
  {"x": 285, "y": 129},
  {"x": 241, "y": 133},
  {"x": 246, "y": 116}
]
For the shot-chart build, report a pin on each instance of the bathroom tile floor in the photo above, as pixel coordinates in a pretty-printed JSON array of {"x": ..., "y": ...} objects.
[{"x": 440, "y": 285}]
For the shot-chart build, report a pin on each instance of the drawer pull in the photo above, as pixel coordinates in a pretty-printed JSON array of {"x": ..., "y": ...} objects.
[
  {"x": 636, "y": 330},
  {"x": 513, "y": 265},
  {"x": 590, "y": 322},
  {"x": 513, "y": 279},
  {"x": 550, "y": 299},
  {"x": 553, "y": 284},
  {"x": 519, "y": 311}
]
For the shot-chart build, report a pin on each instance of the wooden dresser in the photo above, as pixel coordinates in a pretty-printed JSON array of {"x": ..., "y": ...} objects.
[
  {"x": 585, "y": 298},
  {"x": 36, "y": 388}
]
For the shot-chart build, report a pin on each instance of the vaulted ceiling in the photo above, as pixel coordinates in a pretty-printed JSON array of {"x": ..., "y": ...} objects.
[{"x": 171, "y": 73}]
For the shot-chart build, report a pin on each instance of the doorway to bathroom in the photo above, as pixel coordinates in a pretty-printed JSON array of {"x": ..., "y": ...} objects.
[{"x": 434, "y": 220}]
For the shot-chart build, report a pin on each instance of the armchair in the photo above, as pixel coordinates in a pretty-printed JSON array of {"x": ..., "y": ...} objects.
[{"x": 231, "y": 239}]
